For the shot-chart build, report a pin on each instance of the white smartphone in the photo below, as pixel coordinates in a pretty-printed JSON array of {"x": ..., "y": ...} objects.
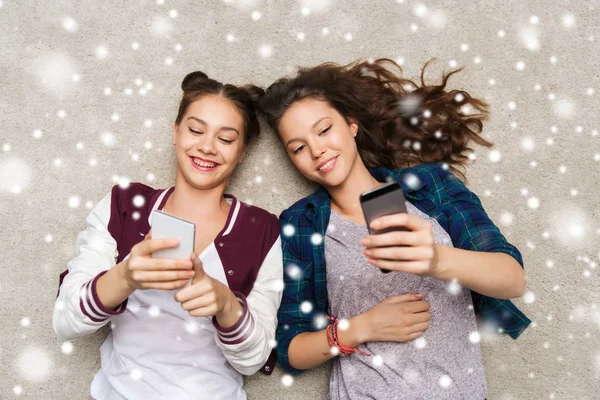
[{"x": 167, "y": 226}]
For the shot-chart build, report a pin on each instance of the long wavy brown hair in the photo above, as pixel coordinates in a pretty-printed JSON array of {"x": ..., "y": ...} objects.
[{"x": 401, "y": 123}]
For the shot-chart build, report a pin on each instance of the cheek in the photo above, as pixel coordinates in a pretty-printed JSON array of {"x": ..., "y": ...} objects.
[
  {"x": 231, "y": 153},
  {"x": 342, "y": 140},
  {"x": 303, "y": 162},
  {"x": 183, "y": 140}
]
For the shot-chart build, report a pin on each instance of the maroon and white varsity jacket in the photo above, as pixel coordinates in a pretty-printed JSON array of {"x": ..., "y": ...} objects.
[{"x": 156, "y": 349}]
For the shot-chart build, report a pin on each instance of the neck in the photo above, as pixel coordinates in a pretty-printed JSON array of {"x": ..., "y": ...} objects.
[
  {"x": 195, "y": 204},
  {"x": 345, "y": 198}
]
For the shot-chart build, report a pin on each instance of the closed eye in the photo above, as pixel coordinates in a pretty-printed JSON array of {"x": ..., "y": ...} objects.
[
  {"x": 298, "y": 149},
  {"x": 196, "y": 132},
  {"x": 226, "y": 141},
  {"x": 324, "y": 131}
]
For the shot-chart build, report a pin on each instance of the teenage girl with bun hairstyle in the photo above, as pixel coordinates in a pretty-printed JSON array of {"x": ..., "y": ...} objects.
[
  {"x": 410, "y": 333},
  {"x": 169, "y": 340}
]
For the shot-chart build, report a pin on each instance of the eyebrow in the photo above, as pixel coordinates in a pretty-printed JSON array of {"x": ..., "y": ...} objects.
[
  {"x": 222, "y": 128},
  {"x": 317, "y": 122}
]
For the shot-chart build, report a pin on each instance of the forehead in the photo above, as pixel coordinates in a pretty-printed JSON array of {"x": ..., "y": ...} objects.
[
  {"x": 304, "y": 113},
  {"x": 215, "y": 110},
  {"x": 308, "y": 106}
]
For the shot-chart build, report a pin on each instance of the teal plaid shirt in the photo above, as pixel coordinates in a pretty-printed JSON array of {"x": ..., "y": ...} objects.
[{"x": 433, "y": 190}]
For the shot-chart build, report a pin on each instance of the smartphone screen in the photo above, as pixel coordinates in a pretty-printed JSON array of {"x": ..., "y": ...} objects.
[{"x": 167, "y": 226}]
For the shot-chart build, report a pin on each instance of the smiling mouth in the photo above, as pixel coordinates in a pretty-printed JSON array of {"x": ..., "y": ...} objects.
[
  {"x": 328, "y": 165},
  {"x": 203, "y": 165}
]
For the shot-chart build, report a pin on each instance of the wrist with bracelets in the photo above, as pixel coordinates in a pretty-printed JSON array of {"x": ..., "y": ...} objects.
[{"x": 334, "y": 342}]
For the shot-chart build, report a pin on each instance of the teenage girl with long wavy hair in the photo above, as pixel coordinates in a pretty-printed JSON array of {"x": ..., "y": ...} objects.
[{"x": 411, "y": 333}]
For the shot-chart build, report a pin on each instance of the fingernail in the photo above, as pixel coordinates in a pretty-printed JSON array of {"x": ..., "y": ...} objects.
[
  {"x": 376, "y": 224},
  {"x": 367, "y": 252},
  {"x": 365, "y": 242}
]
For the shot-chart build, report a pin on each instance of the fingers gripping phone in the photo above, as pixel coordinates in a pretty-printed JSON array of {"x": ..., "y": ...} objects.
[
  {"x": 384, "y": 200},
  {"x": 167, "y": 226}
]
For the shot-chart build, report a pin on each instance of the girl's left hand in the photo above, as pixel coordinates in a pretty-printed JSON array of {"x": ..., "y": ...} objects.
[
  {"x": 206, "y": 296},
  {"x": 412, "y": 251}
]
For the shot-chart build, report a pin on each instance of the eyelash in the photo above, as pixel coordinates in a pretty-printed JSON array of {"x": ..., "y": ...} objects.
[
  {"x": 324, "y": 131},
  {"x": 221, "y": 139},
  {"x": 298, "y": 149}
]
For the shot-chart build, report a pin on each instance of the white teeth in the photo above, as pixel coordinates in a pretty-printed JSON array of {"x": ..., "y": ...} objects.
[
  {"x": 204, "y": 164},
  {"x": 327, "y": 164}
]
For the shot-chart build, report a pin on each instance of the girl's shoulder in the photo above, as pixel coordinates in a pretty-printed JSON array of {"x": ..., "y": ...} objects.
[
  {"x": 435, "y": 179},
  {"x": 128, "y": 191},
  {"x": 257, "y": 216},
  {"x": 136, "y": 199},
  {"x": 305, "y": 206}
]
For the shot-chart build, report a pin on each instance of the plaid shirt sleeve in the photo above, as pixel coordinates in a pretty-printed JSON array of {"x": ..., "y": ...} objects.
[
  {"x": 471, "y": 229},
  {"x": 298, "y": 288},
  {"x": 469, "y": 225}
]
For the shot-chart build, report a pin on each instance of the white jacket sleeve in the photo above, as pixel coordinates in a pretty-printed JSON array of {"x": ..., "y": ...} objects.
[
  {"x": 248, "y": 343},
  {"x": 78, "y": 310}
]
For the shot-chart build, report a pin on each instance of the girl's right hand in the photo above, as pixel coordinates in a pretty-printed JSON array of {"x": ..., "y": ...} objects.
[
  {"x": 395, "y": 319},
  {"x": 141, "y": 271}
]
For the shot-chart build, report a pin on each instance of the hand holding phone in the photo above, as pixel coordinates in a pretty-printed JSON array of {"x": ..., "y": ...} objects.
[
  {"x": 386, "y": 199},
  {"x": 141, "y": 271},
  {"x": 167, "y": 226},
  {"x": 402, "y": 242}
]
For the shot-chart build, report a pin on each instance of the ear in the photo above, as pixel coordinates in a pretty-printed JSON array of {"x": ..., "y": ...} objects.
[
  {"x": 175, "y": 127},
  {"x": 353, "y": 124},
  {"x": 243, "y": 154}
]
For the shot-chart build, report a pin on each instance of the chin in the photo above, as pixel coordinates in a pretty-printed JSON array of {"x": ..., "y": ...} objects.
[
  {"x": 203, "y": 182},
  {"x": 332, "y": 179}
]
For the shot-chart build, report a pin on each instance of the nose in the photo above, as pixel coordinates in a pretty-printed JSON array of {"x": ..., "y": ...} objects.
[
  {"x": 317, "y": 152},
  {"x": 206, "y": 144}
]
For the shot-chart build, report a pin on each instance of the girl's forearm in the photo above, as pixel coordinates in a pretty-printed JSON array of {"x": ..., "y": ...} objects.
[
  {"x": 491, "y": 274},
  {"x": 112, "y": 288},
  {"x": 230, "y": 314}
]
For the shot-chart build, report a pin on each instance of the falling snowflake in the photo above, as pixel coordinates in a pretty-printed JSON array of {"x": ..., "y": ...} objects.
[
  {"x": 15, "y": 175},
  {"x": 287, "y": 380},
  {"x": 265, "y": 51},
  {"x": 316, "y": 239},
  {"x": 34, "y": 364},
  {"x": 316, "y": 6},
  {"x": 161, "y": 26},
  {"x": 377, "y": 360},
  {"x": 135, "y": 374},
  {"x": 306, "y": 307},
  {"x": 564, "y": 108},
  {"x": 66, "y": 348},
  {"x": 420, "y": 343},
  {"x": 139, "y": 201},
  {"x": 445, "y": 381},
  {"x": 474, "y": 337},
  {"x": 74, "y": 201},
  {"x": 530, "y": 38},
  {"x": 69, "y": 24},
  {"x": 293, "y": 271}
]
